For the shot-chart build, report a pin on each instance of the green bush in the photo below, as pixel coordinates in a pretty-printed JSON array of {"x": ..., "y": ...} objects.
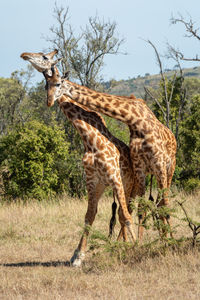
[
  {"x": 192, "y": 184},
  {"x": 34, "y": 161}
]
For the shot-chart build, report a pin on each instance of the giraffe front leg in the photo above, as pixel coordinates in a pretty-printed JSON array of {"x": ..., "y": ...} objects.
[
  {"x": 94, "y": 194},
  {"x": 79, "y": 253}
]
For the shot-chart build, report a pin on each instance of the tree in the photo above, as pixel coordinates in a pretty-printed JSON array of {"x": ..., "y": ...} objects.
[
  {"x": 84, "y": 55},
  {"x": 190, "y": 144},
  {"x": 13, "y": 99},
  {"x": 171, "y": 100}
]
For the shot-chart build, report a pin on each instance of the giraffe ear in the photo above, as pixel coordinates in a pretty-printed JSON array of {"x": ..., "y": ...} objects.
[
  {"x": 52, "y": 53},
  {"x": 56, "y": 61}
]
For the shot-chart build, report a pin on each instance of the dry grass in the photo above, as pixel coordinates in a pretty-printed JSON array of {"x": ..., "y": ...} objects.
[{"x": 36, "y": 239}]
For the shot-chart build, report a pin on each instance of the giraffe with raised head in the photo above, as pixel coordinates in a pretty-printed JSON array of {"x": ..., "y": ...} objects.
[
  {"x": 106, "y": 159},
  {"x": 152, "y": 145}
]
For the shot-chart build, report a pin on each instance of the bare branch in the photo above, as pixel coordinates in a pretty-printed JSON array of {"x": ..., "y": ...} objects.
[
  {"x": 166, "y": 99},
  {"x": 157, "y": 102},
  {"x": 185, "y": 212},
  {"x": 192, "y": 32},
  {"x": 189, "y": 26}
]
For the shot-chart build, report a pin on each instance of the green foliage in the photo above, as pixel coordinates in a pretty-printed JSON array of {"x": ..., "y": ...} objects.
[
  {"x": 118, "y": 129},
  {"x": 76, "y": 175},
  {"x": 191, "y": 184},
  {"x": 189, "y": 158},
  {"x": 192, "y": 86},
  {"x": 34, "y": 159},
  {"x": 37, "y": 109},
  {"x": 11, "y": 96},
  {"x": 184, "y": 120},
  {"x": 154, "y": 215}
]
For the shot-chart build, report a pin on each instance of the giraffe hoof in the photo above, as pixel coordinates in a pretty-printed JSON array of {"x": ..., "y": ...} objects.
[
  {"x": 77, "y": 258},
  {"x": 76, "y": 263}
]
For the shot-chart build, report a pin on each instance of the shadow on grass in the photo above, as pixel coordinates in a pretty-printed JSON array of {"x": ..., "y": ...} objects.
[{"x": 38, "y": 264}]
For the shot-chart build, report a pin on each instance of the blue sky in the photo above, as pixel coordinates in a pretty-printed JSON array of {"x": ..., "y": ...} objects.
[{"x": 24, "y": 22}]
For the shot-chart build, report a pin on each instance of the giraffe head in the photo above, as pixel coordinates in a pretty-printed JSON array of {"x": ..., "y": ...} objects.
[
  {"x": 40, "y": 61},
  {"x": 54, "y": 86}
]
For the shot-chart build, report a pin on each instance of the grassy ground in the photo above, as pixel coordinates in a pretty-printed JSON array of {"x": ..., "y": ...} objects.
[{"x": 36, "y": 239}]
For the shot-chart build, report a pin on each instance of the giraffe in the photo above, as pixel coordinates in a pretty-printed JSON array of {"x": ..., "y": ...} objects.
[
  {"x": 152, "y": 144},
  {"x": 106, "y": 159}
]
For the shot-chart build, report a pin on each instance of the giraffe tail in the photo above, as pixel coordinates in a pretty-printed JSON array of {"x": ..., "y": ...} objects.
[
  {"x": 151, "y": 184},
  {"x": 113, "y": 218}
]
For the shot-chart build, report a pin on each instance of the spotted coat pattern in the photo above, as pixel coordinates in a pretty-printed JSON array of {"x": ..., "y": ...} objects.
[
  {"x": 106, "y": 159},
  {"x": 152, "y": 145}
]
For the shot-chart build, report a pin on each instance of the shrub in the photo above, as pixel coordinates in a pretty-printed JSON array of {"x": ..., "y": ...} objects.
[
  {"x": 192, "y": 184},
  {"x": 34, "y": 161}
]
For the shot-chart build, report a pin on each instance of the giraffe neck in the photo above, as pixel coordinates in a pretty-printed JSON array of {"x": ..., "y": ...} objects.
[
  {"x": 87, "y": 122},
  {"x": 128, "y": 110}
]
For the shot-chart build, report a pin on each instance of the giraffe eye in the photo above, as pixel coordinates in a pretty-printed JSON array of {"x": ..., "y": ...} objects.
[
  {"x": 57, "y": 84},
  {"x": 45, "y": 58}
]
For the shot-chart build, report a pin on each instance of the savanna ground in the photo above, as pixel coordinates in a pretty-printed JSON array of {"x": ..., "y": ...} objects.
[{"x": 37, "y": 238}]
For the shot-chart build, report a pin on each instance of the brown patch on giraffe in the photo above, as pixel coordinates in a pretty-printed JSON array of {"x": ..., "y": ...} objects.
[
  {"x": 102, "y": 100},
  {"x": 135, "y": 112},
  {"x": 123, "y": 112},
  {"x": 138, "y": 123},
  {"x": 107, "y": 153},
  {"x": 126, "y": 106},
  {"x": 90, "y": 169},
  {"x": 150, "y": 140},
  {"x": 95, "y": 96},
  {"x": 114, "y": 113},
  {"x": 91, "y": 137},
  {"x": 116, "y": 104},
  {"x": 98, "y": 104},
  {"x": 107, "y": 106},
  {"x": 141, "y": 112}
]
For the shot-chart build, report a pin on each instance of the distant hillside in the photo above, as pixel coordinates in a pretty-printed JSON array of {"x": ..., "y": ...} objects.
[{"x": 136, "y": 85}]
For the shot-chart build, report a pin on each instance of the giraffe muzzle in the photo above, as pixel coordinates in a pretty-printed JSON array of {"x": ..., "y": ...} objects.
[
  {"x": 50, "y": 101},
  {"x": 25, "y": 56}
]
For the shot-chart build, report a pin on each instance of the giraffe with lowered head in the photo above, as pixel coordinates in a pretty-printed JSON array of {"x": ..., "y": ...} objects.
[
  {"x": 152, "y": 145},
  {"x": 106, "y": 159}
]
